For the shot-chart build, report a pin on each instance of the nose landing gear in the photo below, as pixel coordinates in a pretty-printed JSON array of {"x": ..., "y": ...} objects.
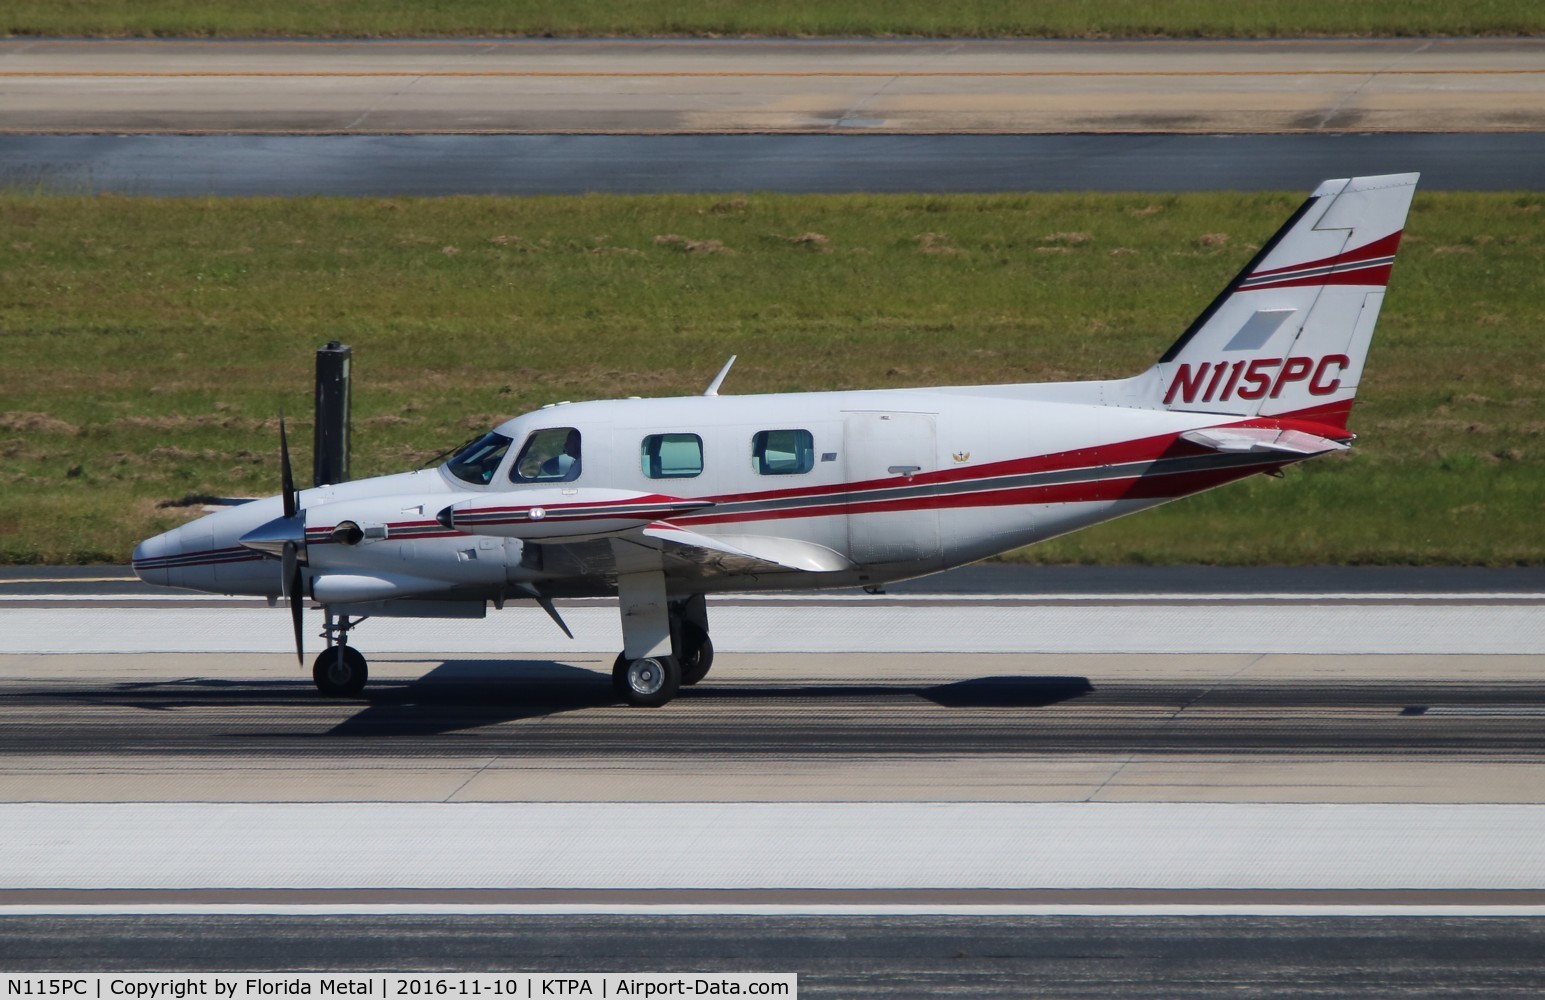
[{"x": 340, "y": 670}]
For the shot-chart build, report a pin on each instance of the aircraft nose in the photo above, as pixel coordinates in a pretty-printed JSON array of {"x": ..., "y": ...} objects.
[
  {"x": 206, "y": 554},
  {"x": 153, "y": 557}
]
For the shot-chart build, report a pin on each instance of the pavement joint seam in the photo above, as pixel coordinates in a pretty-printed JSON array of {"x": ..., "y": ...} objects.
[{"x": 751, "y": 74}]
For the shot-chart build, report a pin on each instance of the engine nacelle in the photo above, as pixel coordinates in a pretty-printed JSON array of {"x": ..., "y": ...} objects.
[
  {"x": 383, "y": 548},
  {"x": 351, "y": 588}
]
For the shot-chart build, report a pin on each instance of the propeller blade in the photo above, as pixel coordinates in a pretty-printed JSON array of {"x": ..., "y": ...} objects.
[
  {"x": 286, "y": 477},
  {"x": 292, "y": 588}
]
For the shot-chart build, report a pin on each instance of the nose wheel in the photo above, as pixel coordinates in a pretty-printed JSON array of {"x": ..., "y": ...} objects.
[{"x": 340, "y": 672}]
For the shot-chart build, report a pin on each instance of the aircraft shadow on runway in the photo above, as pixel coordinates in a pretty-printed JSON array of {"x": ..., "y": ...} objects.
[
  {"x": 459, "y": 695},
  {"x": 468, "y": 694}
]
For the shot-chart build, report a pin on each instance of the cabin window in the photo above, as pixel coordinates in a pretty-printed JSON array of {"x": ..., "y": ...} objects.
[
  {"x": 672, "y": 456},
  {"x": 549, "y": 456},
  {"x": 477, "y": 462},
  {"x": 783, "y": 453}
]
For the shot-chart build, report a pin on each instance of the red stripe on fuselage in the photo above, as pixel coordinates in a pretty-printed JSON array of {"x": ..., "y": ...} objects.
[
  {"x": 1136, "y": 450},
  {"x": 1333, "y": 417},
  {"x": 1166, "y": 486}
]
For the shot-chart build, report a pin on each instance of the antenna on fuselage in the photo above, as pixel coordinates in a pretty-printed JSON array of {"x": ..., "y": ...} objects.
[{"x": 718, "y": 380}]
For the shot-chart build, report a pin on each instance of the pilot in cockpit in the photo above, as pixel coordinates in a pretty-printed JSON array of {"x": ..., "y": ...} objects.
[{"x": 564, "y": 466}]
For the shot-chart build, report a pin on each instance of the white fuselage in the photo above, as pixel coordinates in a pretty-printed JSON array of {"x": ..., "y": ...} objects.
[{"x": 890, "y": 483}]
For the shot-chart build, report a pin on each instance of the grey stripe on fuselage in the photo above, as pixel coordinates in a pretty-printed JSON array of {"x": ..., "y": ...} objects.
[{"x": 1062, "y": 477}]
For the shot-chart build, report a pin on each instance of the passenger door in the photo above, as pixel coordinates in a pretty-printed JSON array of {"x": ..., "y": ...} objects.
[{"x": 891, "y": 521}]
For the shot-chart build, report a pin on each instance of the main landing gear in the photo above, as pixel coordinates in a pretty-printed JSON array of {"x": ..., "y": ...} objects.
[
  {"x": 696, "y": 652},
  {"x": 339, "y": 670},
  {"x": 665, "y": 646},
  {"x": 654, "y": 678},
  {"x": 649, "y": 681}
]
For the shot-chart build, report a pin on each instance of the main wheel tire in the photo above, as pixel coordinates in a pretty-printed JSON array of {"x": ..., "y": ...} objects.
[
  {"x": 340, "y": 676},
  {"x": 649, "y": 681},
  {"x": 697, "y": 657}
]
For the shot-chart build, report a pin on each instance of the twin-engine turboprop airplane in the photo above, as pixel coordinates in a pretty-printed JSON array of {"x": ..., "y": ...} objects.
[{"x": 662, "y": 501}]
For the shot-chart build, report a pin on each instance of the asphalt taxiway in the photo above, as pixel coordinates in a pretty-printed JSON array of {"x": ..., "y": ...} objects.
[
  {"x": 771, "y": 85},
  {"x": 525, "y": 117},
  {"x": 851, "y": 956},
  {"x": 434, "y": 165}
]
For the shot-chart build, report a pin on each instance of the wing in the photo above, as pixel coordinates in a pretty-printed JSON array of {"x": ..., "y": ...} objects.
[
  {"x": 737, "y": 554},
  {"x": 687, "y": 557}
]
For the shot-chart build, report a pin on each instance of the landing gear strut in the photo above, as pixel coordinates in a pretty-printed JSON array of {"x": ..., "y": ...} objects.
[
  {"x": 339, "y": 670},
  {"x": 655, "y": 678}
]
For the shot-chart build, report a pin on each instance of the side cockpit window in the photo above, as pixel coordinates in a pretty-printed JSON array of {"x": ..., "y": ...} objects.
[
  {"x": 783, "y": 453},
  {"x": 549, "y": 456},
  {"x": 672, "y": 456},
  {"x": 477, "y": 462}
]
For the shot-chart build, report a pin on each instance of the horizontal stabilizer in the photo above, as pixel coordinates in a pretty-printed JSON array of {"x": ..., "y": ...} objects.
[{"x": 1262, "y": 439}]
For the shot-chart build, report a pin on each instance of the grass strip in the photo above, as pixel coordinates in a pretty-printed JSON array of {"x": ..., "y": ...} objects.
[
  {"x": 147, "y": 344},
  {"x": 939, "y": 18}
]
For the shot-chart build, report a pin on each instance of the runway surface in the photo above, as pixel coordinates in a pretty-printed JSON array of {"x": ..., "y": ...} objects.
[
  {"x": 772, "y": 707},
  {"x": 988, "y": 579},
  {"x": 347, "y": 165},
  {"x": 979, "y": 858},
  {"x": 1060, "y": 822},
  {"x": 1333, "y": 688},
  {"x": 782, "y": 728},
  {"x": 762, "y": 85}
]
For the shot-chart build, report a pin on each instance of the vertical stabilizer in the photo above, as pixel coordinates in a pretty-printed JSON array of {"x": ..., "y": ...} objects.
[{"x": 1290, "y": 333}]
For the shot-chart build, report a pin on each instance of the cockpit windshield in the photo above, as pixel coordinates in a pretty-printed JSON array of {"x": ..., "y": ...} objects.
[{"x": 478, "y": 461}]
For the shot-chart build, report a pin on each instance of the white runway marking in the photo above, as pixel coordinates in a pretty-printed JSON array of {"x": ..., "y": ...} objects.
[
  {"x": 1457, "y": 597},
  {"x": 799, "y": 627},
  {"x": 744, "y": 845},
  {"x": 1484, "y": 710},
  {"x": 769, "y": 909}
]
